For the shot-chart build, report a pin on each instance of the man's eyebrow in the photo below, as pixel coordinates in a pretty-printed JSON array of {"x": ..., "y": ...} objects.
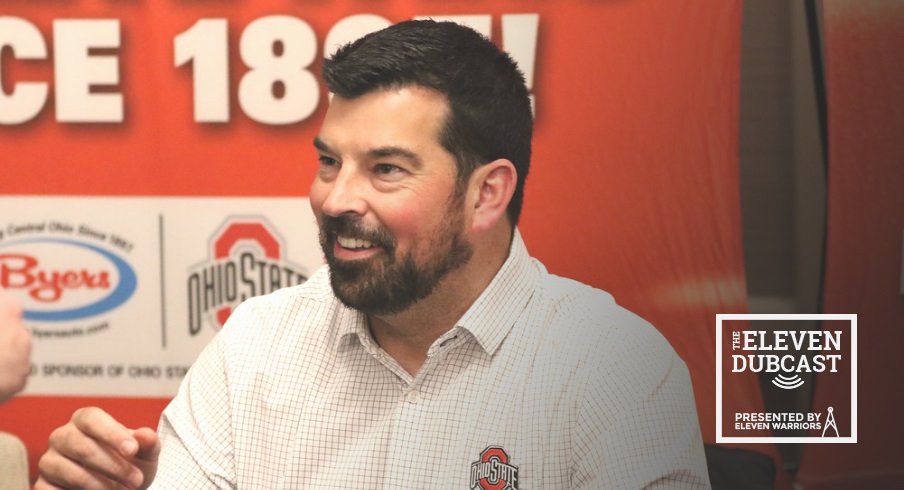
[
  {"x": 376, "y": 153},
  {"x": 320, "y": 145},
  {"x": 395, "y": 151}
]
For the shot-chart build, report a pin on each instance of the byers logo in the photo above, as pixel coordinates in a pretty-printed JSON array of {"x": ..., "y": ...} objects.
[
  {"x": 493, "y": 471},
  {"x": 247, "y": 258},
  {"x": 65, "y": 279},
  {"x": 791, "y": 352}
]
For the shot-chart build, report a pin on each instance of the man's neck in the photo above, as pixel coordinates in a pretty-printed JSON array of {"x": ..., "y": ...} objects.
[{"x": 408, "y": 335}]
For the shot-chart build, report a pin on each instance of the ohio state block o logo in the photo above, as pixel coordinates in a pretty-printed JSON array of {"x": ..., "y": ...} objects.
[{"x": 493, "y": 471}]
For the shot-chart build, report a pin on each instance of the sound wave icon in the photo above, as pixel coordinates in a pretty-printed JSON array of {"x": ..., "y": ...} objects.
[{"x": 787, "y": 382}]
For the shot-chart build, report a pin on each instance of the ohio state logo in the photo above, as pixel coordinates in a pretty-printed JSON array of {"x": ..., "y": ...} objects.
[
  {"x": 493, "y": 471},
  {"x": 246, "y": 259}
]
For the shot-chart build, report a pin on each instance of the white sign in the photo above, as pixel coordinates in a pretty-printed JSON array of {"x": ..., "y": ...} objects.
[{"x": 121, "y": 294}]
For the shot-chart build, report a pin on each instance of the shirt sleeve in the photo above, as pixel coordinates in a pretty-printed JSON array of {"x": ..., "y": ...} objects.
[
  {"x": 196, "y": 436},
  {"x": 637, "y": 424}
]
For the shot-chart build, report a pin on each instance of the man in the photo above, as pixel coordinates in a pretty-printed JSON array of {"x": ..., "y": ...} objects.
[
  {"x": 432, "y": 351},
  {"x": 15, "y": 348}
]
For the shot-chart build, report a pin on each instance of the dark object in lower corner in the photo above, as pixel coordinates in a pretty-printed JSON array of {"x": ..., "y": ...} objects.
[{"x": 739, "y": 469}]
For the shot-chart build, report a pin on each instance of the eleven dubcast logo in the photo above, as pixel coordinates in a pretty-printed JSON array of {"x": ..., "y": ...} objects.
[
  {"x": 788, "y": 358},
  {"x": 786, "y": 353},
  {"x": 247, "y": 258}
]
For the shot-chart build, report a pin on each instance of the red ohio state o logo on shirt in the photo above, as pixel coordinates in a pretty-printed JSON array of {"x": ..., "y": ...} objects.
[{"x": 493, "y": 471}]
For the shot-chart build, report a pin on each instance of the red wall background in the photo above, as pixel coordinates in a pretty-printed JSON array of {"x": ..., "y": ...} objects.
[{"x": 634, "y": 181}]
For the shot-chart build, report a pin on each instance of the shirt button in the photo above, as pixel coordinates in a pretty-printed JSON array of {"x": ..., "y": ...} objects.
[
  {"x": 412, "y": 396},
  {"x": 450, "y": 339}
]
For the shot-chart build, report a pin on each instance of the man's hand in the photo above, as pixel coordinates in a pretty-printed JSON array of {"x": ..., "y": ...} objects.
[
  {"x": 94, "y": 451},
  {"x": 15, "y": 348}
]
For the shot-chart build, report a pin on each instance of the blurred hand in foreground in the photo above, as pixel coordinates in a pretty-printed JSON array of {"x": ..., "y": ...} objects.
[
  {"x": 95, "y": 451},
  {"x": 15, "y": 348}
]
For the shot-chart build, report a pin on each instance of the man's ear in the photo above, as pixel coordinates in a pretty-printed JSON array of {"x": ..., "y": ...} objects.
[{"x": 491, "y": 187}]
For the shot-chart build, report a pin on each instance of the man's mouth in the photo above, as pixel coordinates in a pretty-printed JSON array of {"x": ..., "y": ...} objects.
[
  {"x": 354, "y": 243},
  {"x": 348, "y": 248},
  {"x": 347, "y": 240}
]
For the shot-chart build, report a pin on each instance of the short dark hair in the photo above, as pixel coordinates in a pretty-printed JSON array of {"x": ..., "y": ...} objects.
[{"x": 490, "y": 111}]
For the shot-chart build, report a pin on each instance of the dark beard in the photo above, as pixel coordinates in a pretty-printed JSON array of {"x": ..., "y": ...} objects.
[{"x": 385, "y": 284}]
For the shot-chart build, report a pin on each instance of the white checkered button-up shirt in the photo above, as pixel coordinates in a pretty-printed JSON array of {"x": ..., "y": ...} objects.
[{"x": 544, "y": 383}]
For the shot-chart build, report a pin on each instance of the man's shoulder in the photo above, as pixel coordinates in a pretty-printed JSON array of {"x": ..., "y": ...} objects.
[
  {"x": 589, "y": 320},
  {"x": 316, "y": 289},
  {"x": 580, "y": 306},
  {"x": 282, "y": 328},
  {"x": 291, "y": 310},
  {"x": 569, "y": 295}
]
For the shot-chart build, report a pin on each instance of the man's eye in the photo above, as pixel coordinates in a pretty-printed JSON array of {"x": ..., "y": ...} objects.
[
  {"x": 386, "y": 169},
  {"x": 327, "y": 161}
]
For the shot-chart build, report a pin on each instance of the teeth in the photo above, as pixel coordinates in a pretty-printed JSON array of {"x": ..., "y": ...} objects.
[{"x": 353, "y": 242}]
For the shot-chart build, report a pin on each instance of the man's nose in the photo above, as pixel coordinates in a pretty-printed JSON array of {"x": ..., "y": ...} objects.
[{"x": 346, "y": 194}]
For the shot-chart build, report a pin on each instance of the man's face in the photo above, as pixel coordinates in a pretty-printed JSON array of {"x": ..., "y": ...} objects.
[{"x": 391, "y": 221}]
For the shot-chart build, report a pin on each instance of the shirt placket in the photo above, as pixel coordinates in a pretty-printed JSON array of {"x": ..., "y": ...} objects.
[{"x": 412, "y": 459}]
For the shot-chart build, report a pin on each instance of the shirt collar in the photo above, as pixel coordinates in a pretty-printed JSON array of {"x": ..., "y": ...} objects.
[
  {"x": 352, "y": 323},
  {"x": 496, "y": 310},
  {"x": 490, "y": 318}
]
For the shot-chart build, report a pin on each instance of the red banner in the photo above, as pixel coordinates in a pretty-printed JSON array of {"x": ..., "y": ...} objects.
[{"x": 634, "y": 185}]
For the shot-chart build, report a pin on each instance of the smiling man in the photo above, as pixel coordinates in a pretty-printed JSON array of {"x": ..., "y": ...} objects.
[
  {"x": 431, "y": 351},
  {"x": 390, "y": 215}
]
